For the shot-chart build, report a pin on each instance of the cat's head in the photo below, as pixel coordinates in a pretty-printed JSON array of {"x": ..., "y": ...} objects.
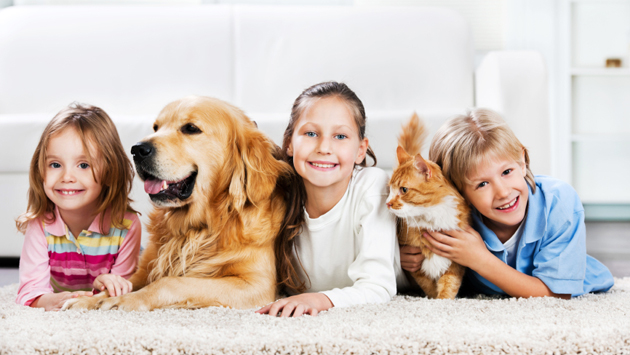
[{"x": 416, "y": 183}]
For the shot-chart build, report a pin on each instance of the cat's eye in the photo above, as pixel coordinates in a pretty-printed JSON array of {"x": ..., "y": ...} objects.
[{"x": 403, "y": 190}]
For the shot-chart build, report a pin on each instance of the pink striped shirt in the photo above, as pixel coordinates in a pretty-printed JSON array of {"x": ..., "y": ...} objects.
[{"x": 53, "y": 260}]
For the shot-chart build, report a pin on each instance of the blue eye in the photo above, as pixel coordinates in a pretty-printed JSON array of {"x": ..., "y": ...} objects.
[
  {"x": 341, "y": 136},
  {"x": 311, "y": 134},
  {"x": 84, "y": 165},
  {"x": 55, "y": 165}
]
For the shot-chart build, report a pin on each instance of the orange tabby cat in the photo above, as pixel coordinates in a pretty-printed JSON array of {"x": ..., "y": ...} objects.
[{"x": 424, "y": 199}]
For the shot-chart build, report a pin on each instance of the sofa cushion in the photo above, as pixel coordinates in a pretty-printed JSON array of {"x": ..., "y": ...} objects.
[
  {"x": 411, "y": 59},
  {"x": 23, "y": 132},
  {"x": 128, "y": 62}
]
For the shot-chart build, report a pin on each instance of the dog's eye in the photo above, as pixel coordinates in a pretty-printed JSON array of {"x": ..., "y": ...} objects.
[
  {"x": 155, "y": 128},
  {"x": 190, "y": 128}
]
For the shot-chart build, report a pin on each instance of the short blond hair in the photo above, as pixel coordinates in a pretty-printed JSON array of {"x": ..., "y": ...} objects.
[{"x": 465, "y": 141}]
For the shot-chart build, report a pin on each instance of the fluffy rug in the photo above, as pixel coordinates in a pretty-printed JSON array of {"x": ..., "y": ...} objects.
[{"x": 595, "y": 323}]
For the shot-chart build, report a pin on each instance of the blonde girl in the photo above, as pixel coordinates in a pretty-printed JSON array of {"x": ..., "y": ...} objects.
[
  {"x": 342, "y": 247},
  {"x": 80, "y": 231},
  {"x": 529, "y": 234}
]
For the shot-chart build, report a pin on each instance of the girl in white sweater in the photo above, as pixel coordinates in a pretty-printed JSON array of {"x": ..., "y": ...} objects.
[{"x": 342, "y": 248}]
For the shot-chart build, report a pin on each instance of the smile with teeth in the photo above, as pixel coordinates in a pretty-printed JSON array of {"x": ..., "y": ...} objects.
[
  {"x": 321, "y": 165},
  {"x": 508, "y": 205},
  {"x": 69, "y": 192}
]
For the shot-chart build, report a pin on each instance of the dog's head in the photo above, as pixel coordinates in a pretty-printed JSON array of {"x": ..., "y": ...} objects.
[{"x": 204, "y": 146}]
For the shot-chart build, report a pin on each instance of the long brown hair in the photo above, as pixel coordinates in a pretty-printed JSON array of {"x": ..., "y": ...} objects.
[
  {"x": 285, "y": 244},
  {"x": 115, "y": 171}
]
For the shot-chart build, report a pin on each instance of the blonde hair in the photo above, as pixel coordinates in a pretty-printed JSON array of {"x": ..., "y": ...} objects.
[
  {"x": 115, "y": 171},
  {"x": 465, "y": 141}
]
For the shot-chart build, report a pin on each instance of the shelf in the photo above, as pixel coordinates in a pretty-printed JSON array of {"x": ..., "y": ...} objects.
[
  {"x": 599, "y": 137},
  {"x": 623, "y": 203},
  {"x": 600, "y": 71},
  {"x": 599, "y": 1}
]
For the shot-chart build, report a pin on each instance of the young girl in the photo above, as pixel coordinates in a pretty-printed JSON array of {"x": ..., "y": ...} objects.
[
  {"x": 342, "y": 247},
  {"x": 80, "y": 231},
  {"x": 529, "y": 234}
]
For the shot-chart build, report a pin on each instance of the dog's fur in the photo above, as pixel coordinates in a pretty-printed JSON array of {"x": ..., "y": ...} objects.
[{"x": 212, "y": 245}]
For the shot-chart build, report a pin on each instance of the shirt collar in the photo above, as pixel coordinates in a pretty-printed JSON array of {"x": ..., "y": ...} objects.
[
  {"x": 536, "y": 222},
  {"x": 533, "y": 230},
  {"x": 492, "y": 241},
  {"x": 58, "y": 227}
]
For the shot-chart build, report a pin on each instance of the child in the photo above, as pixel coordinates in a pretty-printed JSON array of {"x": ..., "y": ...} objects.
[
  {"x": 529, "y": 234},
  {"x": 342, "y": 247},
  {"x": 80, "y": 231}
]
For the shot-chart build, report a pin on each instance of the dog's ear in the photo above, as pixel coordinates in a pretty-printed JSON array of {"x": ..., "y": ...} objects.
[
  {"x": 261, "y": 168},
  {"x": 237, "y": 184}
]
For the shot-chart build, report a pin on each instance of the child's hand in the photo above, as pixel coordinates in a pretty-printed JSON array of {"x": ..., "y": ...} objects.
[
  {"x": 411, "y": 258},
  {"x": 54, "y": 301},
  {"x": 115, "y": 285},
  {"x": 306, "y": 303},
  {"x": 466, "y": 247}
]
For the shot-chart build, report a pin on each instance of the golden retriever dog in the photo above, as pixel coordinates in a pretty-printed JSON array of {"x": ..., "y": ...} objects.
[{"x": 219, "y": 206}]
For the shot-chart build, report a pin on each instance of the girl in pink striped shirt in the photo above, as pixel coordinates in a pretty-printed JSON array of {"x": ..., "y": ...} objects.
[{"x": 81, "y": 233}]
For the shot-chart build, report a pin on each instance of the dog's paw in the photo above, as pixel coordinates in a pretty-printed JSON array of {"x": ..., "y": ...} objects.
[
  {"x": 80, "y": 303},
  {"x": 69, "y": 303},
  {"x": 85, "y": 302},
  {"x": 129, "y": 302}
]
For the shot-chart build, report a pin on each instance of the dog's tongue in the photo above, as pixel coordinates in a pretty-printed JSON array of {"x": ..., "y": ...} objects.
[{"x": 152, "y": 186}]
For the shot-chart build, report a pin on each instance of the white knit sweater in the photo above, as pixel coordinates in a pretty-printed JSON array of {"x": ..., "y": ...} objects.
[{"x": 351, "y": 253}]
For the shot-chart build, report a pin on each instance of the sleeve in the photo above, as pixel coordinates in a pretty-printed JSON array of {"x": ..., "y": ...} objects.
[
  {"x": 561, "y": 260},
  {"x": 372, "y": 272},
  {"x": 127, "y": 259},
  {"x": 34, "y": 265}
]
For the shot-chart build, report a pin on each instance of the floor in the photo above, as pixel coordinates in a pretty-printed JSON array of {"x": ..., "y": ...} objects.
[{"x": 608, "y": 242}]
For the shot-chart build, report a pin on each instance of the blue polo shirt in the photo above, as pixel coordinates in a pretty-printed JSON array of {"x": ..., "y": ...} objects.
[{"x": 553, "y": 245}]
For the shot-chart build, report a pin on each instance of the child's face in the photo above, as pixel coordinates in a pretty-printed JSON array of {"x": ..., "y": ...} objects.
[
  {"x": 499, "y": 192},
  {"x": 68, "y": 180},
  {"x": 325, "y": 144}
]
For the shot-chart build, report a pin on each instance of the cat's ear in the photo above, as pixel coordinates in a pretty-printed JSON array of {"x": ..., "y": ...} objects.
[
  {"x": 402, "y": 155},
  {"x": 421, "y": 165}
]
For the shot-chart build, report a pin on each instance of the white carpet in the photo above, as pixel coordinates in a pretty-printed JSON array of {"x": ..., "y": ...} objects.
[{"x": 596, "y": 323}]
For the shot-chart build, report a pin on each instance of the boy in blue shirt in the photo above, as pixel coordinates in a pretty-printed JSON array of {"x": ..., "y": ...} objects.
[{"x": 529, "y": 236}]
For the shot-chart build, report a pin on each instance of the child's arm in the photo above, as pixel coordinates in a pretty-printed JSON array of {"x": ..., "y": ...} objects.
[
  {"x": 34, "y": 265},
  {"x": 468, "y": 249},
  {"x": 411, "y": 258},
  {"x": 306, "y": 303},
  {"x": 126, "y": 262},
  {"x": 54, "y": 301}
]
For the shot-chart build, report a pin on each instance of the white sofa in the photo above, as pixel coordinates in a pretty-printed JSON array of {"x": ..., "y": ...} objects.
[{"x": 133, "y": 60}]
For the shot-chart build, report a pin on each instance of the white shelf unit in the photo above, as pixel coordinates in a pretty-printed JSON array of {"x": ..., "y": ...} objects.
[{"x": 596, "y": 101}]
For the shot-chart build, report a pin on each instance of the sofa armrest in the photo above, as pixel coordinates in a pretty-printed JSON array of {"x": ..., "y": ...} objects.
[{"x": 514, "y": 83}]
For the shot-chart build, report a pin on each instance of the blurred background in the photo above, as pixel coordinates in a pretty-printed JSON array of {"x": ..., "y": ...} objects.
[{"x": 586, "y": 48}]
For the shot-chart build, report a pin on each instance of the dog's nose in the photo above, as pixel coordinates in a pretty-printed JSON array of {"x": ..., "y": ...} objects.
[{"x": 141, "y": 150}]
